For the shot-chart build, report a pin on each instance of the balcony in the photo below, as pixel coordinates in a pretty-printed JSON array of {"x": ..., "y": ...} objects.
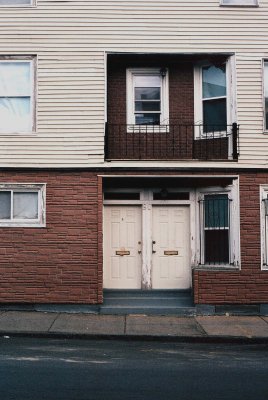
[{"x": 171, "y": 142}]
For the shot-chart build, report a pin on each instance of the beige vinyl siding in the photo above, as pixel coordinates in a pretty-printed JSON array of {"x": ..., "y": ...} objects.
[{"x": 70, "y": 39}]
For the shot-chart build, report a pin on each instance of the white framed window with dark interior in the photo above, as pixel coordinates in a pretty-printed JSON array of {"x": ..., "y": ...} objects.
[
  {"x": 22, "y": 205},
  {"x": 214, "y": 103},
  {"x": 239, "y": 3},
  {"x": 265, "y": 93},
  {"x": 17, "y": 3},
  {"x": 17, "y": 88},
  {"x": 147, "y": 97},
  {"x": 218, "y": 228},
  {"x": 264, "y": 226}
]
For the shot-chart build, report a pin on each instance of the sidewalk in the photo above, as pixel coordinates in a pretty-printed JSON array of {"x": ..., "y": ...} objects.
[{"x": 201, "y": 328}]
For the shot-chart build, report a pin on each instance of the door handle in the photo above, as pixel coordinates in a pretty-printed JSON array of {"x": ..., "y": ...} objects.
[
  {"x": 139, "y": 251},
  {"x": 153, "y": 250}
]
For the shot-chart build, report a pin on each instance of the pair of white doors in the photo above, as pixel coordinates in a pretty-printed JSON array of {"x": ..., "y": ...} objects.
[{"x": 166, "y": 244}]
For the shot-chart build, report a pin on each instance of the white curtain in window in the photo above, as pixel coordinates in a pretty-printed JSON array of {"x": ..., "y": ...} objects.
[{"x": 25, "y": 205}]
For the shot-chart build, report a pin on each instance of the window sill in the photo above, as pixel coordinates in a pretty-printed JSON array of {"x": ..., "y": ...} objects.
[
  {"x": 240, "y": 5},
  {"x": 22, "y": 225},
  {"x": 226, "y": 267}
]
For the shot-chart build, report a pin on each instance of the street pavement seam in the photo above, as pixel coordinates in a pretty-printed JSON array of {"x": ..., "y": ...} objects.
[
  {"x": 202, "y": 329},
  {"x": 53, "y": 322}
]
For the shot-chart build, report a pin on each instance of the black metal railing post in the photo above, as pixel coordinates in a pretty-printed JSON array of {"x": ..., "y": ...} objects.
[{"x": 235, "y": 129}]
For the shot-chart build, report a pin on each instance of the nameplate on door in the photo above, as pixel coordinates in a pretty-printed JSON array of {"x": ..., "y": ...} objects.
[
  {"x": 122, "y": 253},
  {"x": 171, "y": 252}
]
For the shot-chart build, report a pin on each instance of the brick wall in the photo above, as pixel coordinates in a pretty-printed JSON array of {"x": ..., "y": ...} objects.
[
  {"x": 58, "y": 263},
  {"x": 250, "y": 284}
]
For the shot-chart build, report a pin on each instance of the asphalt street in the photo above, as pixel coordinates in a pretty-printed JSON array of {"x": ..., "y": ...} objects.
[{"x": 54, "y": 369}]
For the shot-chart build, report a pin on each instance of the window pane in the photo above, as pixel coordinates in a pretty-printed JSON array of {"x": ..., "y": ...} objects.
[
  {"x": 5, "y": 205},
  {"x": 216, "y": 247},
  {"x": 147, "y": 93},
  {"x": 147, "y": 105},
  {"x": 214, "y": 81},
  {"x": 15, "y": 114},
  {"x": 240, "y": 2},
  {"x": 214, "y": 115},
  {"x": 15, "y": 79},
  {"x": 147, "y": 119},
  {"x": 266, "y": 92},
  {"x": 216, "y": 211},
  {"x": 25, "y": 205},
  {"x": 147, "y": 80},
  {"x": 14, "y": 2}
]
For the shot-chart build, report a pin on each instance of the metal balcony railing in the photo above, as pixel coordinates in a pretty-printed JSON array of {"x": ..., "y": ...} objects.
[{"x": 171, "y": 142}]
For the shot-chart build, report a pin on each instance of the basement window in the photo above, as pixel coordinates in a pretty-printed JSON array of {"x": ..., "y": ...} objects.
[{"x": 22, "y": 205}]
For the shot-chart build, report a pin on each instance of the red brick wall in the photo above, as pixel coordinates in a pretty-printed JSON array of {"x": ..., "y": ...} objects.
[
  {"x": 58, "y": 263},
  {"x": 250, "y": 285}
]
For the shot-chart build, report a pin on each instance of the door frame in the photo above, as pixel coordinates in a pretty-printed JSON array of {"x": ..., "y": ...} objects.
[{"x": 146, "y": 203}]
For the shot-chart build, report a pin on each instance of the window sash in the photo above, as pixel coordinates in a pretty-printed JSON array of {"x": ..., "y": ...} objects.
[
  {"x": 239, "y": 3},
  {"x": 138, "y": 108},
  {"x": 24, "y": 220},
  {"x": 16, "y": 3},
  {"x": 215, "y": 240},
  {"x": 16, "y": 105},
  {"x": 265, "y": 93}
]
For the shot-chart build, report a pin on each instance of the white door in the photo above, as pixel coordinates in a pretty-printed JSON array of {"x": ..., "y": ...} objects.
[
  {"x": 170, "y": 247},
  {"x": 122, "y": 247}
]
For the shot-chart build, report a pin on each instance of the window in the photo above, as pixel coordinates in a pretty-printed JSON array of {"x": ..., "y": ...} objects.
[
  {"x": 17, "y": 3},
  {"x": 22, "y": 205},
  {"x": 218, "y": 230},
  {"x": 147, "y": 97},
  {"x": 266, "y": 95},
  {"x": 264, "y": 225},
  {"x": 239, "y": 2},
  {"x": 16, "y": 95},
  {"x": 214, "y": 100}
]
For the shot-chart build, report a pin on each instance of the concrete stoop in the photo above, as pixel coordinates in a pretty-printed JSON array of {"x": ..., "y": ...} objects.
[{"x": 154, "y": 302}]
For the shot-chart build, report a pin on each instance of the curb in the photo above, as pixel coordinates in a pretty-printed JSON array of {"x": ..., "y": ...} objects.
[{"x": 178, "y": 339}]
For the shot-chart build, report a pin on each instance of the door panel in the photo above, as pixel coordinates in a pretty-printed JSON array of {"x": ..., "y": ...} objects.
[
  {"x": 170, "y": 258},
  {"x": 122, "y": 260}
]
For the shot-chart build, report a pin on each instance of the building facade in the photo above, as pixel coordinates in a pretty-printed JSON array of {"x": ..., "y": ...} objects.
[{"x": 133, "y": 150}]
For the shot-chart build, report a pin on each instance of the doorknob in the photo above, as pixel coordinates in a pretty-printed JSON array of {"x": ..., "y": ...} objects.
[
  {"x": 153, "y": 250},
  {"x": 139, "y": 251}
]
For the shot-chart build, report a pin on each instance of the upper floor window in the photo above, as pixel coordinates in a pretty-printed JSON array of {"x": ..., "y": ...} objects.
[
  {"x": 16, "y": 95},
  {"x": 147, "y": 97},
  {"x": 214, "y": 96},
  {"x": 214, "y": 106},
  {"x": 16, "y": 3},
  {"x": 240, "y": 3},
  {"x": 266, "y": 95}
]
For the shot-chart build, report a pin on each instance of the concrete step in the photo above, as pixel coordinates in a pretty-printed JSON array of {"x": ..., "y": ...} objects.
[{"x": 150, "y": 302}]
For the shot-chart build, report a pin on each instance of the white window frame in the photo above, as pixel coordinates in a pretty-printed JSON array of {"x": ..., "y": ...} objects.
[
  {"x": 39, "y": 188},
  {"x": 240, "y": 3},
  {"x": 32, "y": 4},
  {"x": 164, "y": 115},
  {"x": 230, "y": 94},
  {"x": 32, "y": 61},
  {"x": 264, "y": 227},
  {"x": 264, "y": 61},
  {"x": 234, "y": 228}
]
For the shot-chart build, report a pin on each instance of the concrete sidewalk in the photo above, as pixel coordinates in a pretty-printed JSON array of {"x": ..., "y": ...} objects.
[{"x": 201, "y": 328}]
